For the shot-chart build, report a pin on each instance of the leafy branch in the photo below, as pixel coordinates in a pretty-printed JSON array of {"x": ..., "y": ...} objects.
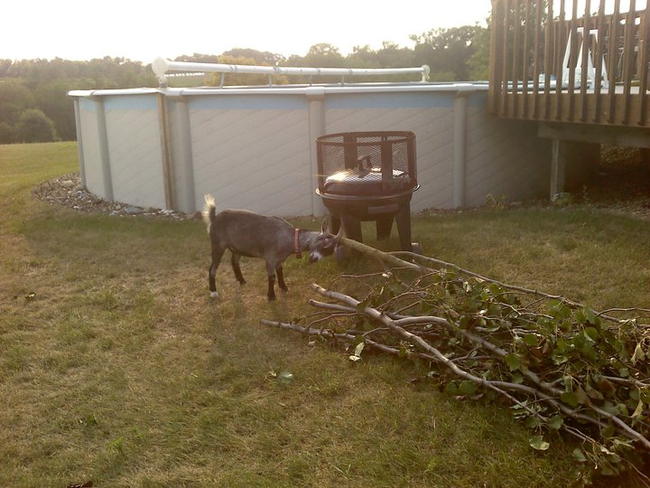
[{"x": 558, "y": 364}]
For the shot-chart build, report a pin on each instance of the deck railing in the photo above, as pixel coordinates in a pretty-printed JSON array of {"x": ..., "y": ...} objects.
[{"x": 570, "y": 61}]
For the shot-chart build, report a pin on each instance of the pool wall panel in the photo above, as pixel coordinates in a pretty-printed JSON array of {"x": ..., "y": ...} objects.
[{"x": 254, "y": 148}]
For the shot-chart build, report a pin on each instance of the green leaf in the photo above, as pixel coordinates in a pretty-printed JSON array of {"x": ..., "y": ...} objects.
[
  {"x": 591, "y": 333},
  {"x": 533, "y": 422},
  {"x": 579, "y": 455},
  {"x": 590, "y": 315},
  {"x": 639, "y": 409},
  {"x": 362, "y": 305},
  {"x": 555, "y": 422},
  {"x": 531, "y": 340},
  {"x": 451, "y": 388},
  {"x": 538, "y": 442},
  {"x": 467, "y": 388},
  {"x": 513, "y": 361},
  {"x": 644, "y": 395},
  {"x": 638, "y": 355},
  {"x": 569, "y": 398},
  {"x": 581, "y": 395},
  {"x": 608, "y": 431},
  {"x": 593, "y": 393}
]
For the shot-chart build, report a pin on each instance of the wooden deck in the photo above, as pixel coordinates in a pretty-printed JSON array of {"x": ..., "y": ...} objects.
[{"x": 541, "y": 49}]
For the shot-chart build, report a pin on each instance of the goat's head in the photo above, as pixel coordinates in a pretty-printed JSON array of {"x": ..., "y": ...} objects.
[{"x": 324, "y": 244}]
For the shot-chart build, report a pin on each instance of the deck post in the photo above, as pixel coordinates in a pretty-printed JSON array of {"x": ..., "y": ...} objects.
[
  {"x": 558, "y": 167},
  {"x": 572, "y": 164}
]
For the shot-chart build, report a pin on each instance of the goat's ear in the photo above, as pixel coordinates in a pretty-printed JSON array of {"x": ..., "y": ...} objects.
[{"x": 324, "y": 226}]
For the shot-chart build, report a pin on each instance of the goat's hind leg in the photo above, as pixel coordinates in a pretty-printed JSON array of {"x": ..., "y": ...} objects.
[
  {"x": 270, "y": 272},
  {"x": 279, "y": 271},
  {"x": 217, "y": 253},
  {"x": 234, "y": 260}
]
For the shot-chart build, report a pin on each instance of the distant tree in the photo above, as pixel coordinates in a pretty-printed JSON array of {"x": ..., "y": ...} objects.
[
  {"x": 447, "y": 50},
  {"x": 478, "y": 64},
  {"x": 265, "y": 58},
  {"x": 52, "y": 99},
  {"x": 362, "y": 57},
  {"x": 5, "y": 65},
  {"x": 323, "y": 55},
  {"x": 392, "y": 56},
  {"x": 198, "y": 58},
  {"x": 461, "y": 53},
  {"x": 15, "y": 98},
  {"x": 35, "y": 126},
  {"x": 238, "y": 79},
  {"x": 7, "y": 133}
]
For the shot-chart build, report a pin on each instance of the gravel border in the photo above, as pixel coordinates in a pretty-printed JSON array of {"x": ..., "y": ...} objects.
[{"x": 67, "y": 191}]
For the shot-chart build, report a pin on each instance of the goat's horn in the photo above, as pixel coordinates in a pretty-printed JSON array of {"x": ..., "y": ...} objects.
[{"x": 340, "y": 234}]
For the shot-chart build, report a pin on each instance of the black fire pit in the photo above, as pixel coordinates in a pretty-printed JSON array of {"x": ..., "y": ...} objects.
[{"x": 368, "y": 176}]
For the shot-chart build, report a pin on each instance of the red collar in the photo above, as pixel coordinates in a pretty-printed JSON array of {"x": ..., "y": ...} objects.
[{"x": 296, "y": 244}]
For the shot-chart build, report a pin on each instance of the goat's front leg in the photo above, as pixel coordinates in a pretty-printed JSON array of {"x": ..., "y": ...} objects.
[
  {"x": 235, "y": 267},
  {"x": 280, "y": 274},
  {"x": 217, "y": 253},
  {"x": 270, "y": 271}
]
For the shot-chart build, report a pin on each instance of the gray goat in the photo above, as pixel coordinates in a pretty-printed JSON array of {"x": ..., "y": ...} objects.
[{"x": 253, "y": 235}]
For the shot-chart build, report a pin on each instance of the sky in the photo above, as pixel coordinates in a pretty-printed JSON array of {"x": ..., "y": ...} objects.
[{"x": 142, "y": 30}]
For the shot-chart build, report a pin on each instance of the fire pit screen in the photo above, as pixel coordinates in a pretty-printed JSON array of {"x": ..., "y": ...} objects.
[{"x": 368, "y": 176}]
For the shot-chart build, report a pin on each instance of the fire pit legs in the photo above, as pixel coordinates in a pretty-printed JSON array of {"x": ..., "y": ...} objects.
[
  {"x": 403, "y": 219},
  {"x": 384, "y": 226}
]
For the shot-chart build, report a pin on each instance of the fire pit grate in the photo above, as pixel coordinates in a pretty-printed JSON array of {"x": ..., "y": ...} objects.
[{"x": 368, "y": 176}]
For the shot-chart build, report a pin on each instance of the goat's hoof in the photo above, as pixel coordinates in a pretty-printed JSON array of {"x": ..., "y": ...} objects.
[
  {"x": 284, "y": 289},
  {"x": 214, "y": 294},
  {"x": 272, "y": 298}
]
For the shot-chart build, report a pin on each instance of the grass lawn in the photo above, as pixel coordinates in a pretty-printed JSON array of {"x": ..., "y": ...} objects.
[{"x": 116, "y": 367}]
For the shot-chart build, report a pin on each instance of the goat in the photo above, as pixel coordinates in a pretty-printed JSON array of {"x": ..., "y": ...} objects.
[{"x": 253, "y": 235}]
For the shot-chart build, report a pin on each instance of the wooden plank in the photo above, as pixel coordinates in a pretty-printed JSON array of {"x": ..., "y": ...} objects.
[
  {"x": 644, "y": 47},
  {"x": 599, "y": 58},
  {"x": 613, "y": 59},
  {"x": 628, "y": 58},
  {"x": 573, "y": 57},
  {"x": 504, "y": 63},
  {"x": 537, "y": 57},
  {"x": 524, "y": 58},
  {"x": 515, "y": 56},
  {"x": 559, "y": 51},
  {"x": 586, "y": 44},
  {"x": 548, "y": 59},
  {"x": 495, "y": 80}
]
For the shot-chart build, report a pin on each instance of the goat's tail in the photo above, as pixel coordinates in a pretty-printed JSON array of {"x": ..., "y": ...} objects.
[{"x": 209, "y": 211}]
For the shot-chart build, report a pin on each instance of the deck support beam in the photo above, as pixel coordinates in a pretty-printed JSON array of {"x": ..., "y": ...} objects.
[
  {"x": 572, "y": 164},
  {"x": 558, "y": 167}
]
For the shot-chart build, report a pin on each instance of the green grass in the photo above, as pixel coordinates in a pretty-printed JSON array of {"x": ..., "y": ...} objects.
[{"x": 116, "y": 367}]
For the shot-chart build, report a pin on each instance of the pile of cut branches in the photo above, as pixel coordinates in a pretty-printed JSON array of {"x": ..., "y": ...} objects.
[{"x": 560, "y": 365}]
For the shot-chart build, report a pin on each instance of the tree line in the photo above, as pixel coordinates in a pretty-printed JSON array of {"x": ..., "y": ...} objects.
[{"x": 34, "y": 106}]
